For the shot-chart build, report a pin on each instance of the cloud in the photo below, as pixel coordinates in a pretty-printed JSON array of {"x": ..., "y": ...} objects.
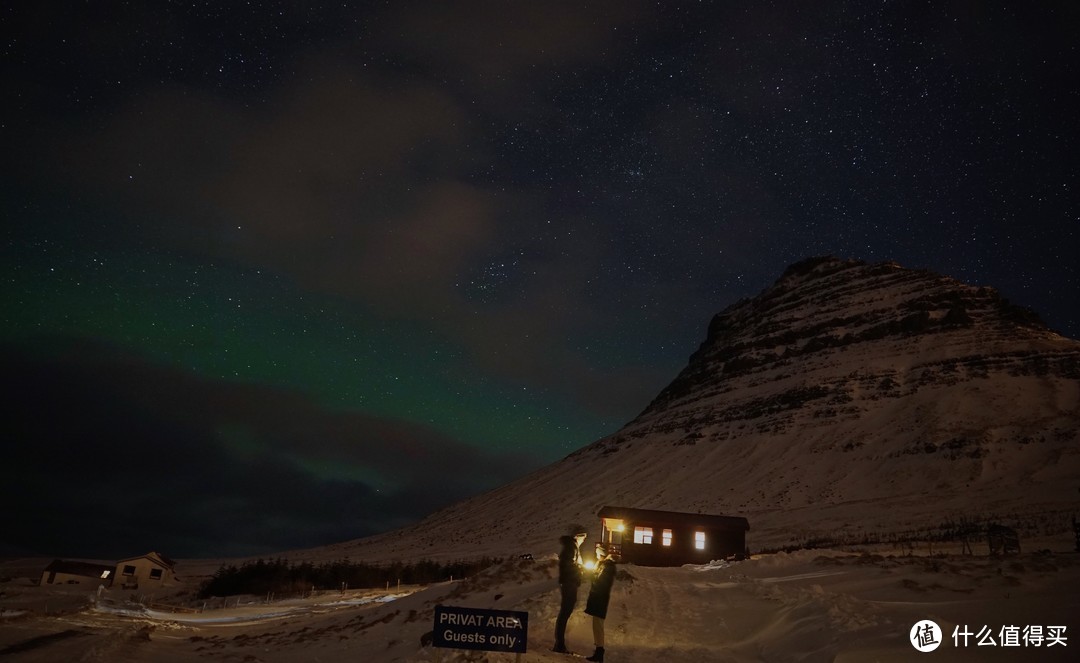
[
  {"x": 360, "y": 179},
  {"x": 350, "y": 184},
  {"x": 346, "y": 186},
  {"x": 110, "y": 456},
  {"x": 500, "y": 49}
]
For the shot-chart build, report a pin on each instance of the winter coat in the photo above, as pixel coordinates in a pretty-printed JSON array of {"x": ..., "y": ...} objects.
[
  {"x": 569, "y": 562},
  {"x": 600, "y": 592}
]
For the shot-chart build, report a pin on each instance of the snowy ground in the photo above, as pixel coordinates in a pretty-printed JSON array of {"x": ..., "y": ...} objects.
[
  {"x": 254, "y": 612},
  {"x": 804, "y": 606}
]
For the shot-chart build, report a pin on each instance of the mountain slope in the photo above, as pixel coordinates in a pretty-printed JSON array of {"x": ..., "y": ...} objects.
[{"x": 847, "y": 400}]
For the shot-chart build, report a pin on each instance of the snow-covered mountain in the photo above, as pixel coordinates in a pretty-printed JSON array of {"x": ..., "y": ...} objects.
[{"x": 847, "y": 400}]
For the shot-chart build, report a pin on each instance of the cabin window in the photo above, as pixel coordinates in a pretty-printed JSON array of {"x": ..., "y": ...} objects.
[
  {"x": 699, "y": 540},
  {"x": 155, "y": 574},
  {"x": 105, "y": 574},
  {"x": 643, "y": 535},
  {"x": 129, "y": 570},
  {"x": 666, "y": 537},
  {"x": 614, "y": 530}
]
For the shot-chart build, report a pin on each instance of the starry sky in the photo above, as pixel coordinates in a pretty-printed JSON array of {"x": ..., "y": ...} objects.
[{"x": 280, "y": 274}]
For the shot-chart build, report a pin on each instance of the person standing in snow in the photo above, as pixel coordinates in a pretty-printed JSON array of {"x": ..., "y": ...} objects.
[
  {"x": 599, "y": 596},
  {"x": 570, "y": 566}
]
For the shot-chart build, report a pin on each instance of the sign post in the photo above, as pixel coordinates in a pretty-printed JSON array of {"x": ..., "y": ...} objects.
[{"x": 484, "y": 630}]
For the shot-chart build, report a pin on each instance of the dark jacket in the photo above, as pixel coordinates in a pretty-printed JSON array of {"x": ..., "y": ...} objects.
[
  {"x": 569, "y": 562},
  {"x": 600, "y": 592}
]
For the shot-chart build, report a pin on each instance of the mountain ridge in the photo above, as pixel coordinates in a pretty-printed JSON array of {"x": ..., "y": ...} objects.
[{"x": 846, "y": 400}]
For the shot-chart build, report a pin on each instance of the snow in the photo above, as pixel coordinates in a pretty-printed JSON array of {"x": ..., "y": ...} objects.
[
  {"x": 248, "y": 613},
  {"x": 800, "y": 606}
]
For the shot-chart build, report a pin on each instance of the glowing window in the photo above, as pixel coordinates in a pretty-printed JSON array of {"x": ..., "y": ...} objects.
[
  {"x": 105, "y": 574},
  {"x": 643, "y": 535},
  {"x": 613, "y": 530},
  {"x": 699, "y": 540},
  {"x": 666, "y": 537}
]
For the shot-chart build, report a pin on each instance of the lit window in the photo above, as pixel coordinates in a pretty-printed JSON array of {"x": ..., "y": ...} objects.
[
  {"x": 699, "y": 540},
  {"x": 105, "y": 574},
  {"x": 614, "y": 529},
  {"x": 643, "y": 535},
  {"x": 666, "y": 538}
]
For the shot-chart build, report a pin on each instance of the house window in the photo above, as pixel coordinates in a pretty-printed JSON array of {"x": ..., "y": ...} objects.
[
  {"x": 666, "y": 537},
  {"x": 105, "y": 575},
  {"x": 129, "y": 570},
  {"x": 614, "y": 529},
  {"x": 155, "y": 574},
  {"x": 643, "y": 535},
  {"x": 699, "y": 540}
]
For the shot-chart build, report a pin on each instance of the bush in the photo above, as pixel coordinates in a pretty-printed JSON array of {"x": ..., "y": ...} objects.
[{"x": 281, "y": 577}]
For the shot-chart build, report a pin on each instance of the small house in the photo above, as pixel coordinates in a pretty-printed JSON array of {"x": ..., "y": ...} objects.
[
  {"x": 67, "y": 572},
  {"x": 671, "y": 538},
  {"x": 148, "y": 571}
]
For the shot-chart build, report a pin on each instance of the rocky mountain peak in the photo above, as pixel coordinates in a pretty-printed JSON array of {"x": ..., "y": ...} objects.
[
  {"x": 846, "y": 401},
  {"x": 824, "y": 305},
  {"x": 846, "y": 383}
]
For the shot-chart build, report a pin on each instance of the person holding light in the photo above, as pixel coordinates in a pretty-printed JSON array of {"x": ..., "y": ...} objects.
[
  {"x": 599, "y": 596},
  {"x": 570, "y": 573}
]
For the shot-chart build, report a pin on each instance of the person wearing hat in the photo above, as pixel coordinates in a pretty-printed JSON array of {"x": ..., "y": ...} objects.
[
  {"x": 570, "y": 565},
  {"x": 599, "y": 596}
]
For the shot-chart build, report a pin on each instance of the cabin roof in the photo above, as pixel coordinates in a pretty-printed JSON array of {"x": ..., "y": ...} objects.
[
  {"x": 155, "y": 557},
  {"x": 674, "y": 517}
]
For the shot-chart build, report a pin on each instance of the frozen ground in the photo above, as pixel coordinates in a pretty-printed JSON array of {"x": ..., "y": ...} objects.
[{"x": 803, "y": 606}]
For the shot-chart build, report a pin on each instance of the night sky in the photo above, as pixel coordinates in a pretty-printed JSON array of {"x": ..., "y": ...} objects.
[{"x": 277, "y": 275}]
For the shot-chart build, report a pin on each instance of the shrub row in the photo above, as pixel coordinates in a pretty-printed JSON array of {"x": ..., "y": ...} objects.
[{"x": 281, "y": 577}]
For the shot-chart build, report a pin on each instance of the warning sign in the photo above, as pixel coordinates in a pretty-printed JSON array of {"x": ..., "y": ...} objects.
[{"x": 476, "y": 628}]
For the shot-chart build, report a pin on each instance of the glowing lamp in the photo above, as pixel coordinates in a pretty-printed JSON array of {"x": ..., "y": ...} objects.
[{"x": 590, "y": 565}]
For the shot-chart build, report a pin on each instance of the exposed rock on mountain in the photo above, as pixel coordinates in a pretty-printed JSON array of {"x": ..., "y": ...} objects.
[{"x": 846, "y": 401}]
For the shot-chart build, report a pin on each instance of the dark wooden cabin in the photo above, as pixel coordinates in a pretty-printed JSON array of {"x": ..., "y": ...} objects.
[{"x": 671, "y": 538}]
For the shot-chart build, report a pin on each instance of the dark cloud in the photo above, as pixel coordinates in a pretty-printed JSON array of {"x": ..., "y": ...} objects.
[
  {"x": 108, "y": 455},
  {"x": 352, "y": 186},
  {"x": 369, "y": 180},
  {"x": 503, "y": 54}
]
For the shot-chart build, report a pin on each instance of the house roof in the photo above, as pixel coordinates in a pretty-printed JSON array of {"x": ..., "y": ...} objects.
[
  {"x": 87, "y": 569},
  {"x": 155, "y": 557},
  {"x": 674, "y": 517}
]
